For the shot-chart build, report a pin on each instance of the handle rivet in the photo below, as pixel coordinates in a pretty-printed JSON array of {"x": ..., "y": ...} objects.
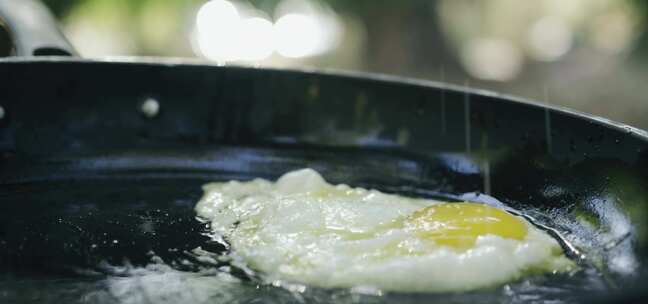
[{"x": 150, "y": 107}]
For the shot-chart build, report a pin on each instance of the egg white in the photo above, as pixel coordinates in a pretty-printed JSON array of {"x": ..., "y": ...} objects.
[{"x": 302, "y": 229}]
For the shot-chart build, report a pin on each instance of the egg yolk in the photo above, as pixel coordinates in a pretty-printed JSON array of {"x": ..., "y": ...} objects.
[{"x": 458, "y": 225}]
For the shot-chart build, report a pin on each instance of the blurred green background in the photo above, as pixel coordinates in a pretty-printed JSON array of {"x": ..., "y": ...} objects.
[{"x": 590, "y": 55}]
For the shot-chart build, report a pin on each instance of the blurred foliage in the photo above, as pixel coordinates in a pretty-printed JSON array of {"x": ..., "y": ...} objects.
[
  {"x": 63, "y": 7},
  {"x": 358, "y": 7},
  {"x": 641, "y": 7}
]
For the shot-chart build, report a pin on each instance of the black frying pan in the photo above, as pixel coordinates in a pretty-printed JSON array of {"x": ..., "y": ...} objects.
[{"x": 101, "y": 163}]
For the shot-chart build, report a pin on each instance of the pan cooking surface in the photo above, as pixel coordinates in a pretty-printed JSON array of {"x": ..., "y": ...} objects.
[
  {"x": 87, "y": 168},
  {"x": 132, "y": 237}
]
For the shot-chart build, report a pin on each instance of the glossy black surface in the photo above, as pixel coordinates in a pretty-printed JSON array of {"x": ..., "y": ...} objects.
[{"x": 82, "y": 165}]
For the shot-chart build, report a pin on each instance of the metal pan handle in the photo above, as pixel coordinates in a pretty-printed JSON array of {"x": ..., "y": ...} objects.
[{"x": 33, "y": 29}]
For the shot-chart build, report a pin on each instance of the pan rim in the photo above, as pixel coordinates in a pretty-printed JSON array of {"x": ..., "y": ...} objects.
[{"x": 332, "y": 72}]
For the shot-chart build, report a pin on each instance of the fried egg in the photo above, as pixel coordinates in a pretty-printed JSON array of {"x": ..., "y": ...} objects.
[{"x": 301, "y": 229}]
